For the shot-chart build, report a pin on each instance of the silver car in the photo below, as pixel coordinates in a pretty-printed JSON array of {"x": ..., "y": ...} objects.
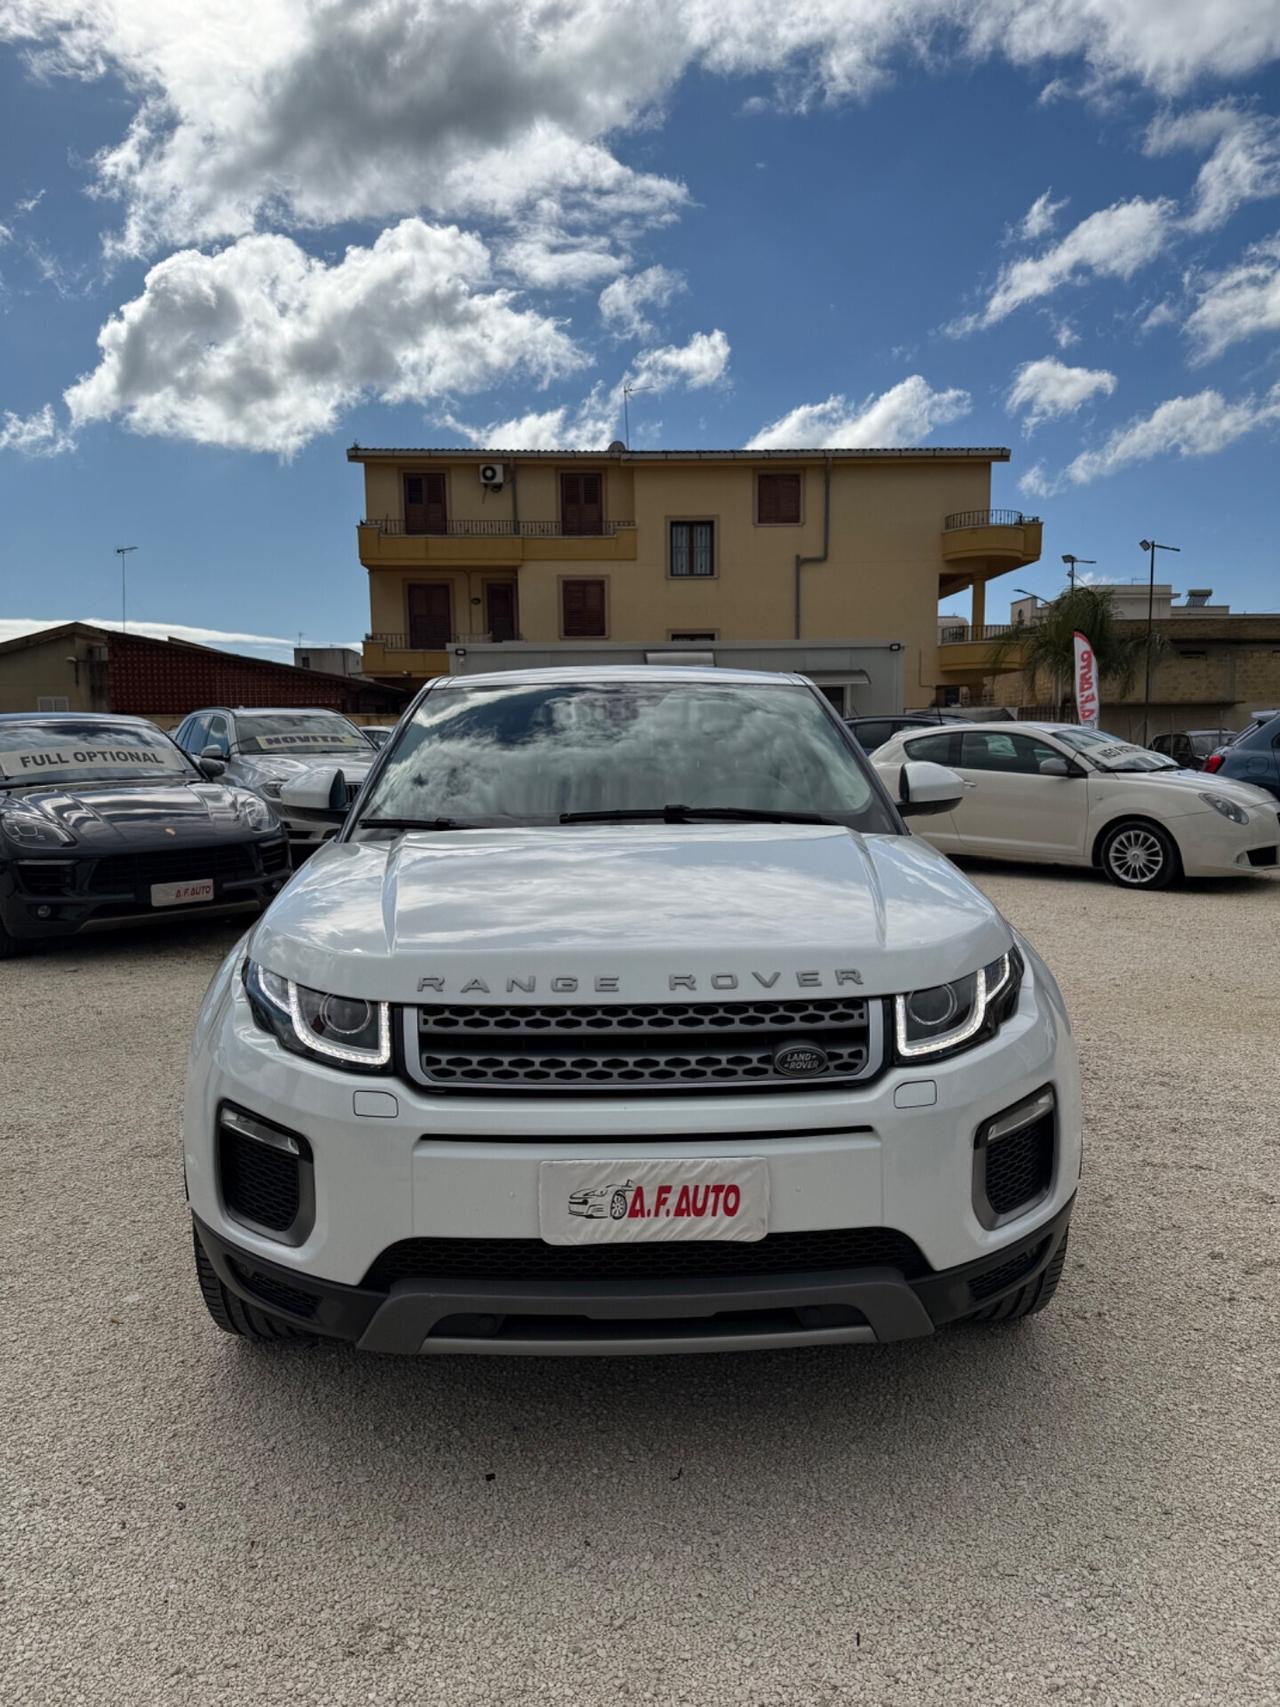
[{"x": 263, "y": 748}]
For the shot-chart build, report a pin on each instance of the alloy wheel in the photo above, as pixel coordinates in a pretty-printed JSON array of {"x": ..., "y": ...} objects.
[{"x": 1136, "y": 856}]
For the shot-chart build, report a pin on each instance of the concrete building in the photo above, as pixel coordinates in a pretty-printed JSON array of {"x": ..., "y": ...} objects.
[
  {"x": 841, "y": 556},
  {"x": 77, "y": 667},
  {"x": 333, "y": 660}
]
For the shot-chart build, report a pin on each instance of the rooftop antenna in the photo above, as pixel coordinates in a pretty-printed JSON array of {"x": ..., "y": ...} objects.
[
  {"x": 628, "y": 392},
  {"x": 122, "y": 551}
]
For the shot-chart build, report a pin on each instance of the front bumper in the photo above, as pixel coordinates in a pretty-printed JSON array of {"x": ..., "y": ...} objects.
[
  {"x": 1213, "y": 846},
  {"x": 584, "y": 1318},
  {"x": 45, "y": 897}
]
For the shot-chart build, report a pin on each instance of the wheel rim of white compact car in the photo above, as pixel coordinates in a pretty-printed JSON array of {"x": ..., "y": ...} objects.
[{"x": 1136, "y": 856}]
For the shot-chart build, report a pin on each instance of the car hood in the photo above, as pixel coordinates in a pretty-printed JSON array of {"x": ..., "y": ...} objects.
[
  {"x": 615, "y": 913},
  {"x": 1196, "y": 783},
  {"x": 106, "y": 816},
  {"x": 268, "y": 768}
]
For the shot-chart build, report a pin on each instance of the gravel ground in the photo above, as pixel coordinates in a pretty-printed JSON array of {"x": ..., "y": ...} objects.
[{"x": 1079, "y": 1509}]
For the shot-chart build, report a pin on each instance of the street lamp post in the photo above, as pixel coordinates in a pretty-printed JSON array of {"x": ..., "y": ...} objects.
[
  {"x": 122, "y": 551},
  {"x": 1152, "y": 546},
  {"x": 1070, "y": 559}
]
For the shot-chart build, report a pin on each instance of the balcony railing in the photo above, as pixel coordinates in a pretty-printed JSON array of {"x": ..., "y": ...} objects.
[
  {"x": 406, "y": 643},
  {"x": 502, "y": 529},
  {"x": 985, "y": 631},
  {"x": 987, "y": 519}
]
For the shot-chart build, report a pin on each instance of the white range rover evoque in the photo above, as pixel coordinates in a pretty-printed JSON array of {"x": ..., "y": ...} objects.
[{"x": 625, "y": 1015}]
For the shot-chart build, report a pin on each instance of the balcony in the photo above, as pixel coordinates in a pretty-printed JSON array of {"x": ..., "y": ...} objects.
[
  {"x": 386, "y": 543},
  {"x": 396, "y": 656},
  {"x": 989, "y": 542}
]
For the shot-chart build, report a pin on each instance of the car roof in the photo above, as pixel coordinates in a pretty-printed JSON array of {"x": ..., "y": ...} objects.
[
  {"x": 586, "y": 674},
  {"x": 266, "y": 711},
  {"x": 76, "y": 717}
]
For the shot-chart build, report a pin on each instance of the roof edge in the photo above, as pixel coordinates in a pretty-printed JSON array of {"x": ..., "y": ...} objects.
[{"x": 466, "y": 453}]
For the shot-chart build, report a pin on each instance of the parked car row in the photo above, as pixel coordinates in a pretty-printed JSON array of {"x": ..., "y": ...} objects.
[{"x": 107, "y": 821}]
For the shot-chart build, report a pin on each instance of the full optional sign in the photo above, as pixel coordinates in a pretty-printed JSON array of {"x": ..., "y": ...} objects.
[{"x": 48, "y": 761}]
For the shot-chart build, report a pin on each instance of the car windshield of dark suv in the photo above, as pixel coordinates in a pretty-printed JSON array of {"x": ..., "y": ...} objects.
[
  {"x": 546, "y": 753},
  {"x": 66, "y": 753},
  {"x": 307, "y": 735}
]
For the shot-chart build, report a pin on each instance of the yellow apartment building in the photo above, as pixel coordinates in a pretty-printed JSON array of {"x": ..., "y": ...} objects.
[{"x": 828, "y": 561}]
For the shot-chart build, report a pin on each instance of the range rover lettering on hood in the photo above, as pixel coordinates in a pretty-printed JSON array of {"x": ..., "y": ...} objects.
[{"x": 610, "y": 983}]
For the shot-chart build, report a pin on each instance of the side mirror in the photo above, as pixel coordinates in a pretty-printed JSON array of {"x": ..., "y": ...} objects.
[
  {"x": 321, "y": 792},
  {"x": 210, "y": 766},
  {"x": 925, "y": 789},
  {"x": 1056, "y": 767}
]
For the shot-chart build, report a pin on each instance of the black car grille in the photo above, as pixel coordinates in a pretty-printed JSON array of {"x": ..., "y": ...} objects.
[
  {"x": 531, "y": 1259},
  {"x": 46, "y": 876},
  {"x": 1262, "y": 856},
  {"x": 259, "y": 1183},
  {"x": 642, "y": 1047},
  {"x": 278, "y": 1292},
  {"x": 137, "y": 872},
  {"x": 996, "y": 1279},
  {"x": 1019, "y": 1168}
]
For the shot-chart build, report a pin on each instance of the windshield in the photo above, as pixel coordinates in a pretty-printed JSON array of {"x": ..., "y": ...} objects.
[
  {"x": 1110, "y": 753},
  {"x": 526, "y": 753},
  {"x": 306, "y": 733},
  {"x": 66, "y": 751}
]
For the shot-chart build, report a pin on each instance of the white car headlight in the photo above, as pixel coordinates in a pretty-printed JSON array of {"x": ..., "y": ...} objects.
[
  {"x": 949, "y": 1017},
  {"x": 1228, "y": 808},
  {"x": 339, "y": 1030},
  {"x": 271, "y": 789}
]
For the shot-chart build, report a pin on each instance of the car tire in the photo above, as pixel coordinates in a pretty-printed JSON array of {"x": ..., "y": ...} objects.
[
  {"x": 618, "y": 1206},
  {"x": 1030, "y": 1299},
  {"x": 1137, "y": 854},
  {"x": 233, "y": 1315}
]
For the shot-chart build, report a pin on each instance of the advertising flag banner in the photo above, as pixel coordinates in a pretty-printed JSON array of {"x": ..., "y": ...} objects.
[{"x": 1086, "y": 682}]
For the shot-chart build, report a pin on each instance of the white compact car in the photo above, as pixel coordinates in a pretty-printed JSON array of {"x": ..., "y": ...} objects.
[
  {"x": 624, "y": 1014},
  {"x": 1058, "y": 794}
]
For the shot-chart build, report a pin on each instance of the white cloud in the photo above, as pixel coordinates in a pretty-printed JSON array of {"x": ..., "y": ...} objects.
[
  {"x": 623, "y": 302},
  {"x": 1238, "y": 303},
  {"x": 1185, "y": 426},
  {"x": 1064, "y": 333},
  {"x": 1162, "y": 314},
  {"x": 14, "y": 627},
  {"x": 593, "y": 423},
  {"x": 1112, "y": 243},
  {"x": 904, "y": 415},
  {"x": 1243, "y": 162},
  {"x": 34, "y": 435},
  {"x": 311, "y": 112},
  {"x": 1048, "y": 388},
  {"x": 700, "y": 362},
  {"x": 1035, "y": 483},
  {"x": 1040, "y": 218},
  {"x": 547, "y": 258},
  {"x": 261, "y": 347}
]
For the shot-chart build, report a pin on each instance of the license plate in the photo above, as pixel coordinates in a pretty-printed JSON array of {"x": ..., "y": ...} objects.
[
  {"x": 181, "y": 894},
  {"x": 618, "y": 1202}
]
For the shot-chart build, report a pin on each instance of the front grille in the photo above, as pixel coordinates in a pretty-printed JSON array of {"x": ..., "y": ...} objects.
[
  {"x": 531, "y": 1259},
  {"x": 137, "y": 872},
  {"x": 47, "y": 876},
  {"x": 1019, "y": 1168},
  {"x": 274, "y": 855},
  {"x": 1262, "y": 856},
  {"x": 645, "y": 1046},
  {"x": 996, "y": 1279},
  {"x": 259, "y": 1183}
]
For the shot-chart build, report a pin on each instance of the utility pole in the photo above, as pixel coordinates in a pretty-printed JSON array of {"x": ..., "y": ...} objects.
[
  {"x": 1151, "y": 545},
  {"x": 122, "y": 551},
  {"x": 1070, "y": 559}
]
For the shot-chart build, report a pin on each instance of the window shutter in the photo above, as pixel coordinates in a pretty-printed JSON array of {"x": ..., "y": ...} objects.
[
  {"x": 583, "y": 607},
  {"x": 778, "y": 498}
]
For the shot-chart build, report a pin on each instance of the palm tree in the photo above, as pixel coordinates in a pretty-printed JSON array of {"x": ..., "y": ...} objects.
[{"x": 1045, "y": 647}]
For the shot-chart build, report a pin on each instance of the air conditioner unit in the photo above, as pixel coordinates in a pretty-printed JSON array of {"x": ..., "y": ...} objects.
[{"x": 491, "y": 473}]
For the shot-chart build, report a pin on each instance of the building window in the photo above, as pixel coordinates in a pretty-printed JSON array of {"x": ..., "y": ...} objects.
[
  {"x": 53, "y": 702},
  {"x": 582, "y": 503},
  {"x": 582, "y": 610},
  {"x": 425, "y": 509},
  {"x": 777, "y": 498},
  {"x": 701, "y": 636},
  {"x": 430, "y": 608},
  {"x": 693, "y": 548}
]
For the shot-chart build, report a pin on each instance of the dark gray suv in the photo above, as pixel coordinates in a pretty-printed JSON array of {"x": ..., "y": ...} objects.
[{"x": 1254, "y": 755}]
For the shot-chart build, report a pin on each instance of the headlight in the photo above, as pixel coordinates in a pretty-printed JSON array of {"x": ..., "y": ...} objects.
[
  {"x": 343, "y": 1030},
  {"x": 271, "y": 789},
  {"x": 946, "y": 1018},
  {"x": 255, "y": 813},
  {"x": 1228, "y": 808},
  {"x": 33, "y": 830}
]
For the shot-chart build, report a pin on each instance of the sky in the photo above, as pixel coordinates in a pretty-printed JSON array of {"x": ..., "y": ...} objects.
[{"x": 236, "y": 238}]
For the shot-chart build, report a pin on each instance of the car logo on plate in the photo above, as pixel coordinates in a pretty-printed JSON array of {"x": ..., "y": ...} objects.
[{"x": 800, "y": 1060}]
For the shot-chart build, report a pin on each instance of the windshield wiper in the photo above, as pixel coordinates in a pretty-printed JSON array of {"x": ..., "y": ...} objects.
[
  {"x": 414, "y": 824},
  {"x": 687, "y": 814}
]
